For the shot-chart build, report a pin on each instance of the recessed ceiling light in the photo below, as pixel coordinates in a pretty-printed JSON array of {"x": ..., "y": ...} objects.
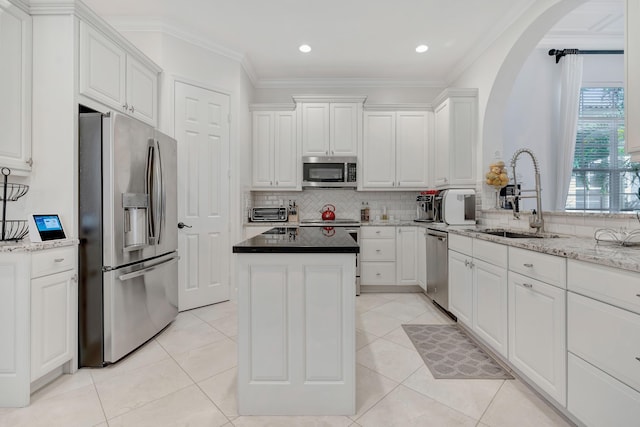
[
  {"x": 422, "y": 48},
  {"x": 304, "y": 48}
]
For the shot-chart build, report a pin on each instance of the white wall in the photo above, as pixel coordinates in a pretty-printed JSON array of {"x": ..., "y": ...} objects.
[
  {"x": 495, "y": 71},
  {"x": 530, "y": 118}
]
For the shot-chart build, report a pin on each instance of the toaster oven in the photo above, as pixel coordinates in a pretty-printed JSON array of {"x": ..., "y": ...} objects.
[{"x": 268, "y": 214}]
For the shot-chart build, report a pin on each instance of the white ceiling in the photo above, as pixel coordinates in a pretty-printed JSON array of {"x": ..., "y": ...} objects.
[{"x": 359, "y": 40}]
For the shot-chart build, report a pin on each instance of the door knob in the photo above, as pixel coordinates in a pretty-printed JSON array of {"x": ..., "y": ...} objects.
[{"x": 182, "y": 225}]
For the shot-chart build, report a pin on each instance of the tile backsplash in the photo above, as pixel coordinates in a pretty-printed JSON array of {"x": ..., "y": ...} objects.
[{"x": 400, "y": 205}]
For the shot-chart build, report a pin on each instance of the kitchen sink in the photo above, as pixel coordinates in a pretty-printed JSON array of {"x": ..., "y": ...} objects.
[{"x": 516, "y": 234}]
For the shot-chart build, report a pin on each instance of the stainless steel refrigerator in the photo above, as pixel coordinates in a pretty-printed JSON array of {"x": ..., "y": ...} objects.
[{"x": 128, "y": 289}]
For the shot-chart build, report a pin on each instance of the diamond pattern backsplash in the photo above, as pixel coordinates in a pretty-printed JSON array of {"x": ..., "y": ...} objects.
[{"x": 400, "y": 205}]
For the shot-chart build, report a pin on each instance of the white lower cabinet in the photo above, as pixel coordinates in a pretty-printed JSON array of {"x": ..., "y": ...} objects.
[
  {"x": 39, "y": 311},
  {"x": 537, "y": 333},
  {"x": 598, "y": 399},
  {"x": 53, "y": 302},
  {"x": 406, "y": 255},
  {"x": 603, "y": 336},
  {"x": 461, "y": 287},
  {"x": 478, "y": 288},
  {"x": 422, "y": 258},
  {"x": 490, "y": 305},
  {"x": 388, "y": 255}
]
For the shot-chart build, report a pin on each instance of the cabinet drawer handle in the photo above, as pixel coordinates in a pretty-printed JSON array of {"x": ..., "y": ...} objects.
[
  {"x": 378, "y": 232},
  {"x": 638, "y": 295},
  {"x": 527, "y": 285},
  {"x": 378, "y": 274},
  {"x": 528, "y": 265},
  {"x": 638, "y": 359},
  {"x": 378, "y": 250},
  {"x": 58, "y": 260}
]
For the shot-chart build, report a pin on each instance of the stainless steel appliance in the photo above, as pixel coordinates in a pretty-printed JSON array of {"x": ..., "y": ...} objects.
[
  {"x": 438, "y": 267},
  {"x": 268, "y": 214},
  {"x": 128, "y": 288},
  {"x": 330, "y": 172},
  {"x": 351, "y": 226},
  {"x": 425, "y": 208}
]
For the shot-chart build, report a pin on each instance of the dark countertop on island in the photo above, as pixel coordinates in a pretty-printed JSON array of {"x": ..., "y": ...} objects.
[{"x": 300, "y": 240}]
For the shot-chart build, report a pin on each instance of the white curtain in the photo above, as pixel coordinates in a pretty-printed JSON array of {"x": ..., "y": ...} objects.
[{"x": 568, "y": 123}]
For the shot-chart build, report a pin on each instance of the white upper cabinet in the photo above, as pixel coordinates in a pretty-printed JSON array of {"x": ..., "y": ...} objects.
[
  {"x": 395, "y": 150},
  {"x": 115, "y": 78},
  {"x": 455, "y": 138},
  {"x": 632, "y": 78},
  {"x": 275, "y": 150},
  {"x": 330, "y": 126},
  {"x": 15, "y": 89}
]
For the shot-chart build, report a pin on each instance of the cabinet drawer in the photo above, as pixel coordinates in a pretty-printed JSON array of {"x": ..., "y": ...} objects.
[
  {"x": 462, "y": 244},
  {"x": 378, "y": 232},
  {"x": 546, "y": 268},
  {"x": 606, "y": 337},
  {"x": 597, "y": 399},
  {"x": 618, "y": 287},
  {"x": 52, "y": 261},
  {"x": 378, "y": 250},
  {"x": 378, "y": 273},
  {"x": 493, "y": 253}
]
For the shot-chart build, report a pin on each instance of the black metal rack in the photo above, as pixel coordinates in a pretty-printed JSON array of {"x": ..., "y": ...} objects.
[{"x": 14, "y": 229}]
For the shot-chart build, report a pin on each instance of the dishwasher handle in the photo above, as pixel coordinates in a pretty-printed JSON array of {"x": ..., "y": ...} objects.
[{"x": 438, "y": 234}]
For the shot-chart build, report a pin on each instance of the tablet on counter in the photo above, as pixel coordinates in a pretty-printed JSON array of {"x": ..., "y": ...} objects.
[{"x": 43, "y": 227}]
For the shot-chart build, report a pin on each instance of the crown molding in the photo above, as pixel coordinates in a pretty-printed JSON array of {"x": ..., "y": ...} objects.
[
  {"x": 155, "y": 24},
  {"x": 83, "y": 12},
  {"x": 399, "y": 107},
  {"x": 329, "y": 98},
  {"x": 319, "y": 83},
  {"x": 272, "y": 107},
  {"x": 23, "y": 6},
  {"x": 584, "y": 41},
  {"x": 455, "y": 92}
]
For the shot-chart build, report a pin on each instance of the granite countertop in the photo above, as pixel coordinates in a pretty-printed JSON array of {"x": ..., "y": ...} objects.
[
  {"x": 300, "y": 240},
  {"x": 572, "y": 247},
  {"x": 28, "y": 246}
]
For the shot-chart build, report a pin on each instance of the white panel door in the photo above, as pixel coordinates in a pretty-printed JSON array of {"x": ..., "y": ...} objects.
[
  {"x": 490, "y": 316},
  {"x": 406, "y": 260},
  {"x": 53, "y": 310},
  {"x": 461, "y": 287},
  {"x": 315, "y": 129},
  {"x": 379, "y": 157},
  {"x": 14, "y": 329},
  {"x": 412, "y": 149},
  {"x": 102, "y": 68},
  {"x": 441, "y": 144},
  {"x": 142, "y": 92},
  {"x": 202, "y": 132},
  {"x": 537, "y": 333},
  {"x": 286, "y": 151},
  {"x": 263, "y": 149},
  {"x": 344, "y": 129}
]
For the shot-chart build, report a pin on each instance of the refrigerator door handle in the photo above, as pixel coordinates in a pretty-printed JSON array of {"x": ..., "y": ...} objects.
[
  {"x": 149, "y": 190},
  {"x": 161, "y": 193},
  {"x": 142, "y": 272}
]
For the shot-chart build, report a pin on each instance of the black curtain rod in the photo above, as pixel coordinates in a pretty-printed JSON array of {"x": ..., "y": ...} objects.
[{"x": 560, "y": 53}]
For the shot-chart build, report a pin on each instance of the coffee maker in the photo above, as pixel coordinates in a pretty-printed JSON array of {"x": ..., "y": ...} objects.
[{"x": 425, "y": 207}]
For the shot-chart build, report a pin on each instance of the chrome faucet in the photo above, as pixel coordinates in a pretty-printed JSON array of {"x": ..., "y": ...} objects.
[{"x": 535, "y": 221}]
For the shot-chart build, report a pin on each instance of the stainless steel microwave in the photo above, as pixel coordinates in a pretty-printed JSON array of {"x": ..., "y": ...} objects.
[{"x": 329, "y": 172}]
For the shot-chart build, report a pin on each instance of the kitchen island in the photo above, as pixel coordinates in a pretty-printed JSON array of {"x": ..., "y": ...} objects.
[{"x": 296, "y": 326}]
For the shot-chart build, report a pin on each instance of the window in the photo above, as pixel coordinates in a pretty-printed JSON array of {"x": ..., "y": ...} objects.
[{"x": 604, "y": 178}]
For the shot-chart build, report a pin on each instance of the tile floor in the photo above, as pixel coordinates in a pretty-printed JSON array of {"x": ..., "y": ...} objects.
[{"x": 186, "y": 377}]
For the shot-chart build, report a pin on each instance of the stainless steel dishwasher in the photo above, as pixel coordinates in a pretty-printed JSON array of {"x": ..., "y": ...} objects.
[{"x": 438, "y": 267}]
